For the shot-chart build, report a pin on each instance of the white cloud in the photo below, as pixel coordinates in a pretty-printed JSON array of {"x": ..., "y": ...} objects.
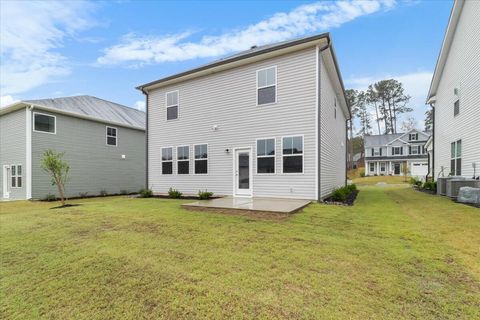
[
  {"x": 140, "y": 105},
  {"x": 30, "y": 33},
  {"x": 416, "y": 85},
  {"x": 320, "y": 16},
  {"x": 6, "y": 100}
]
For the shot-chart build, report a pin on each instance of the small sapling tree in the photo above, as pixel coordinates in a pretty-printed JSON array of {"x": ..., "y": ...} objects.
[{"x": 58, "y": 169}]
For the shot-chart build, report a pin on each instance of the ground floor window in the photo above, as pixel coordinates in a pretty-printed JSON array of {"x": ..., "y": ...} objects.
[
  {"x": 16, "y": 173},
  {"x": 201, "y": 158},
  {"x": 167, "y": 161},
  {"x": 183, "y": 162},
  {"x": 372, "y": 167},
  {"x": 456, "y": 158},
  {"x": 266, "y": 155},
  {"x": 383, "y": 167},
  {"x": 292, "y": 154}
]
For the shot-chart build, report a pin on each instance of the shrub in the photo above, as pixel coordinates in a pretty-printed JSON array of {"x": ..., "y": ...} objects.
[
  {"x": 146, "y": 193},
  {"x": 174, "y": 193},
  {"x": 50, "y": 197},
  {"x": 103, "y": 192},
  {"x": 416, "y": 182},
  {"x": 340, "y": 194},
  {"x": 362, "y": 172},
  {"x": 351, "y": 187},
  {"x": 83, "y": 194},
  {"x": 204, "y": 195},
  {"x": 124, "y": 192},
  {"x": 429, "y": 185}
]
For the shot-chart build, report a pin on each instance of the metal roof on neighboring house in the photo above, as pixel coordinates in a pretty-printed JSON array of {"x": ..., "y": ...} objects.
[{"x": 94, "y": 107}]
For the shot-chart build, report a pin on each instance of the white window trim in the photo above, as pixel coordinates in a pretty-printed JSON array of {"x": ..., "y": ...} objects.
[
  {"x": 418, "y": 148},
  {"x": 162, "y": 161},
  {"x": 173, "y": 105},
  {"x": 455, "y": 158},
  {"x": 370, "y": 167},
  {"x": 16, "y": 176},
  {"x": 266, "y": 156},
  {"x": 296, "y": 154},
  {"x": 276, "y": 87},
  {"x": 107, "y": 136},
  {"x": 384, "y": 168},
  {"x": 207, "y": 158},
  {"x": 410, "y": 136},
  {"x": 189, "y": 157},
  {"x": 375, "y": 149},
  {"x": 398, "y": 154},
  {"x": 48, "y": 115}
]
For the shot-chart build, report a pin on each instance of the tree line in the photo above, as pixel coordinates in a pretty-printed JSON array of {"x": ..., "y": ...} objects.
[{"x": 386, "y": 99}]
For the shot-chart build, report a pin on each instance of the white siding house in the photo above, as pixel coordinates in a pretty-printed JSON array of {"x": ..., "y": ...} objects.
[
  {"x": 455, "y": 95},
  {"x": 267, "y": 122},
  {"x": 390, "y": 154}
]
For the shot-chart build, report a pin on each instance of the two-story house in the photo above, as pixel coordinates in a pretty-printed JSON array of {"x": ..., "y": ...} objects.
[
  {"x": 391, "y": 154},
  {"x": 455, "y": 94},
  {"x": 103, "y": 142},
  {"x": 269, "y": 122}
]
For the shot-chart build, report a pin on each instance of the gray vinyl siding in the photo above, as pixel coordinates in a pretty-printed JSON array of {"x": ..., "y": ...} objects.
[
  {"x": 13, "y": 148},
  {"x": 333, "y": 131},
  {"x": 94, "y": 165},
  {"x": 228, "y": 100}
]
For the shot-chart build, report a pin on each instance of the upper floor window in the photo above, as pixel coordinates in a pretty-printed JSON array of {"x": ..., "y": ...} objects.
[
  {"x": 167, "y": 161},
  {"x": 266, "y": 155},
  {"x": 376, "y": 152},
  {"x": 183, "y": 160},
  {"x": 16, "y": 174},
  {"x": 44, "y": 123},
  {"x": 413, "y": 137},
  {"x": 172, "y": 105},
  {"x": 292, "y": 154},
  {"x": 111, "y": 136},
  {"x": 397, "y": 151},
  {"x": 201, "y": 158},
  {"x": 267, "y": 85},
  {"x": 456, "y": 158},
  {"x": 414, "y": 149},
  {"x": 456, "y": 108}
]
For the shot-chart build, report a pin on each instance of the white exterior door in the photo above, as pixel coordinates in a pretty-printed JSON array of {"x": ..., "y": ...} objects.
[
  {"x": 5, "y": 182},
  {"x": 243, "y": 172}
]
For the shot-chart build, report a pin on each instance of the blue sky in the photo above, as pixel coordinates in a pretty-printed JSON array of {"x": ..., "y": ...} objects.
[{"x": 105, "y": 49}]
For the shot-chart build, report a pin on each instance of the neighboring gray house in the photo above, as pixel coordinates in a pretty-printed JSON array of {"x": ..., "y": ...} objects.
[
  {"x": 455, "y": 94},
  {"x": 269, "y": 122},
  {"x": 387, "y": 154},
  {"x": 104, "y": 143}
]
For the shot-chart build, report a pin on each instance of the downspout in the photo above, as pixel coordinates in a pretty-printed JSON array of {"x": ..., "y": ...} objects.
[
  {"x": 146, "y": 137},
  {"x": 432, "y": 104},
  {"x": 28, "y": 155},
  {"x": 319, "y": 96}
]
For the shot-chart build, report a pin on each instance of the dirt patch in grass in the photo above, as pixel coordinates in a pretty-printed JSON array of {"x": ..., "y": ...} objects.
[{"x": 68, "y": 205}]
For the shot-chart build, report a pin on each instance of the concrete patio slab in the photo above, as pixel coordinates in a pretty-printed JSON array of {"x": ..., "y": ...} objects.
[{"x": 276, "y": 205}]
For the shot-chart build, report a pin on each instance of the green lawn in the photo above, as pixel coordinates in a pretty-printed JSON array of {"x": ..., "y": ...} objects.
[
  {"x": 371, "y": 180},
  {"x": 396, "y": 254}
]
